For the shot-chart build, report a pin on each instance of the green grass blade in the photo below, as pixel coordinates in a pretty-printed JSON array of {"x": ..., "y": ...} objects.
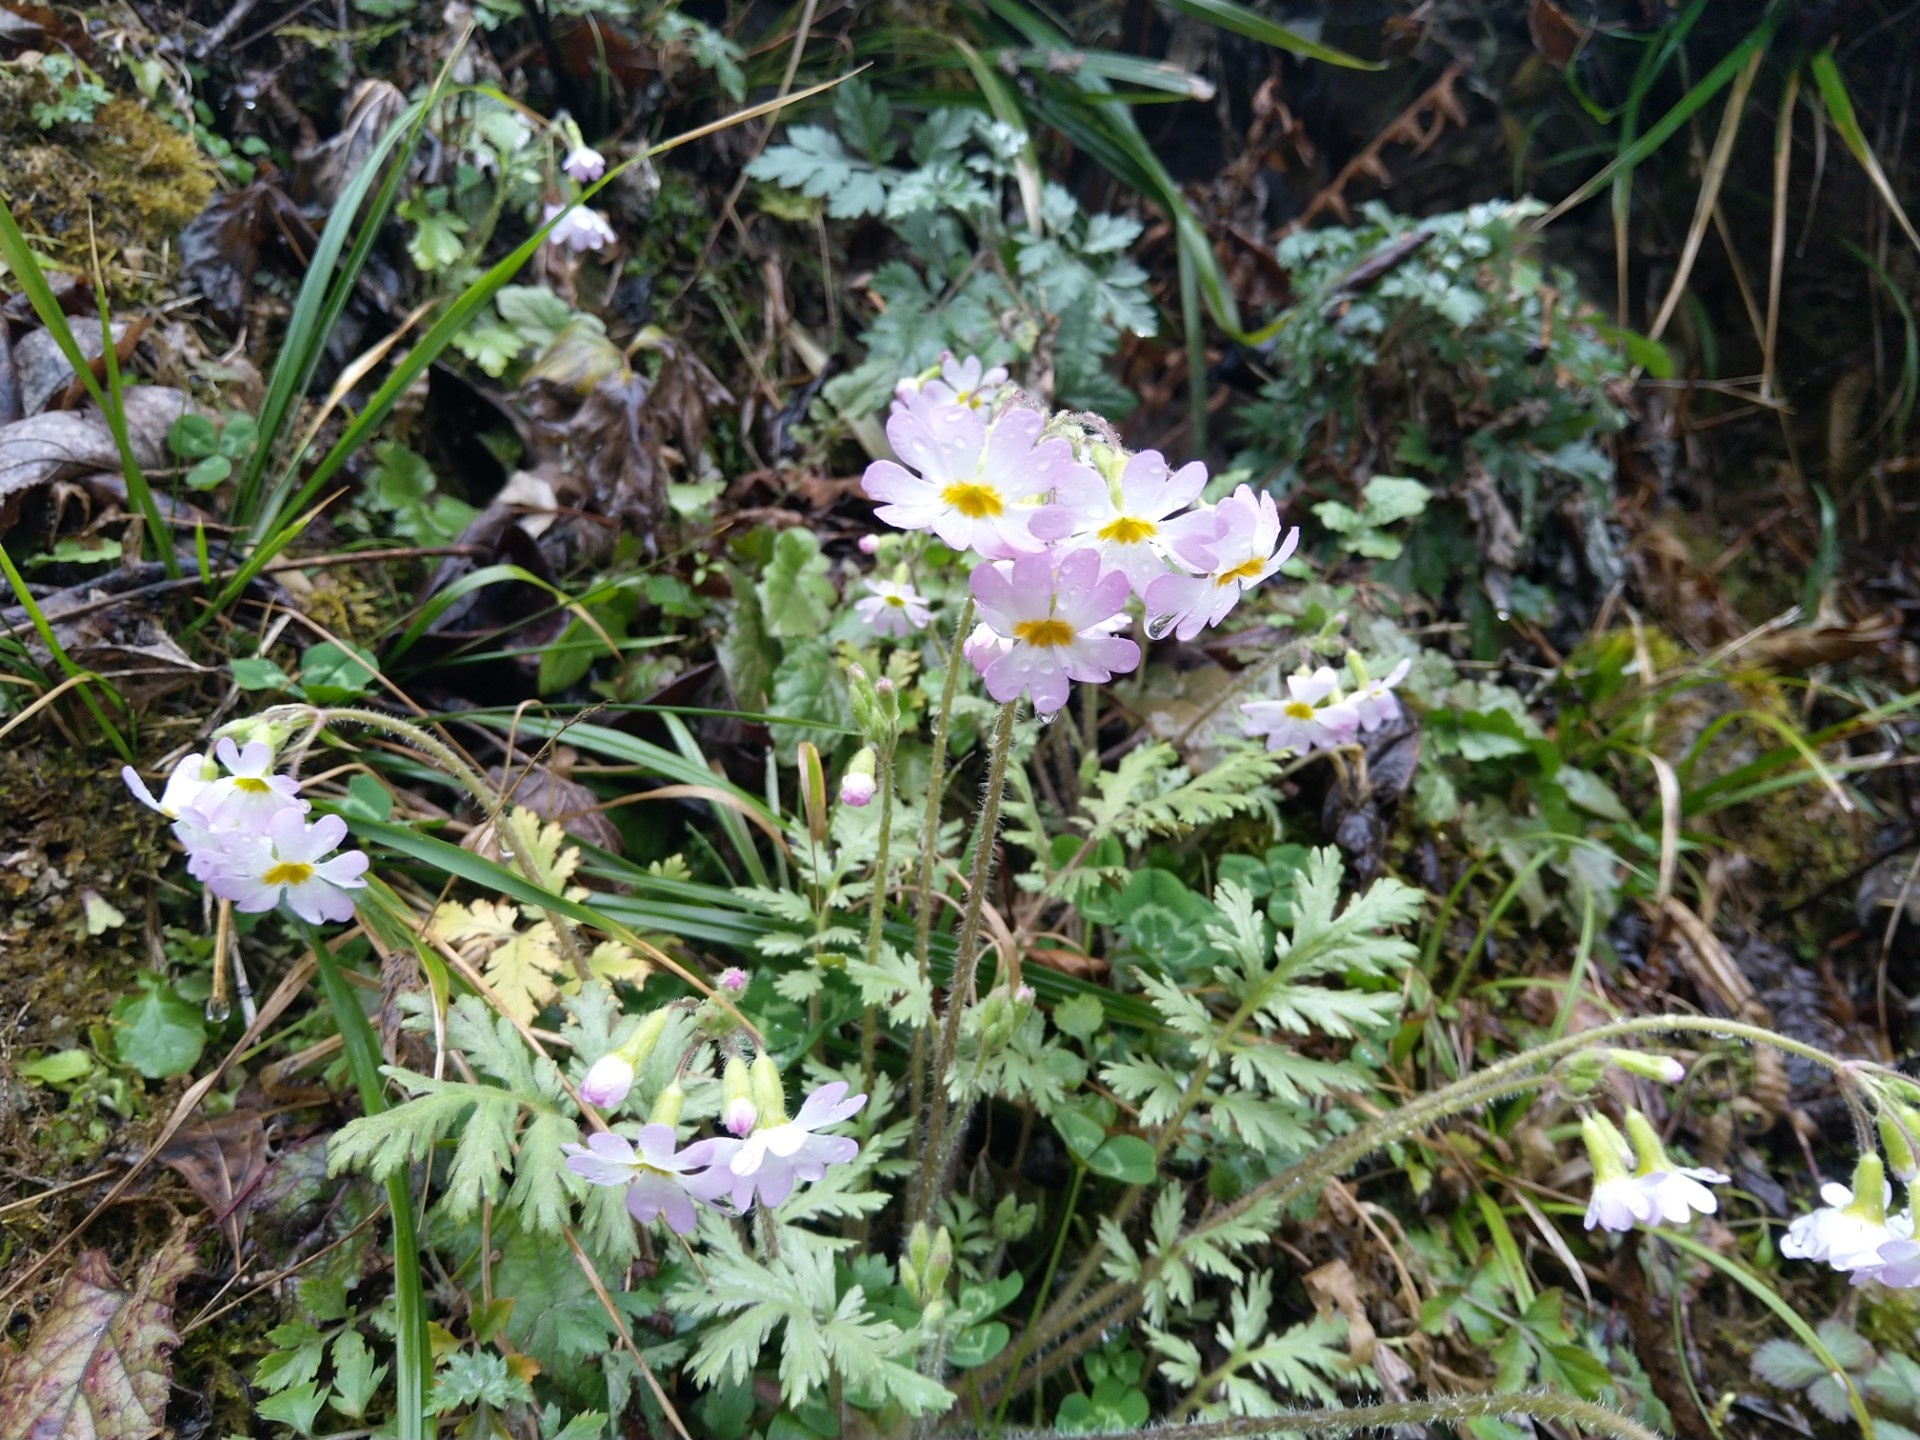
[
  {"x": 1709, "y": 85},
  {"x": 85, "y": 679},
  {"x": 1241, "y": 21},
  {"x": 413, "y": 1357},
  {"x": 25, "y": 266},
  {"x": 1833, "y": 94}
]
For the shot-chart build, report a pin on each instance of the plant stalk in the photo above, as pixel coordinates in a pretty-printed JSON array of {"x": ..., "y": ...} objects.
[
  {"x": 1540, "y": 1405},
  {"x": 942, "y": 1137}
]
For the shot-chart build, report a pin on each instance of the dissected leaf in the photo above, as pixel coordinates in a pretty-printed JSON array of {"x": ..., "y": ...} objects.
[{"x": 96, "y": 1365}]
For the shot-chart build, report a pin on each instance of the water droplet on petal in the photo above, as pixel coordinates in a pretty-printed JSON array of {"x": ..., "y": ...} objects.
[
  {"x": 1504, "y": 615},
  {"x": 1159, "y": 626},
  {"x": 1047, "y": 719},
  {"x": 217, "y": 1010}
]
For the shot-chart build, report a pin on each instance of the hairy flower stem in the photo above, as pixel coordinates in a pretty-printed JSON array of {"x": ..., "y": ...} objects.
[
  {"x": 1046, "y": 1284},
  {"x": 494, "y": 805},
  {"x": 877, "y": 908},
  {"x": 1496, "y": 1081},
  {"x": 942, "y": 1138},
  {"x": 930, "y": 842},
  {"x": 1539, "y": 1405}
]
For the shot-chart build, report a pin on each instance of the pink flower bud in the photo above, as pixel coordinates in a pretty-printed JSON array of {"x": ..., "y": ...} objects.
[
  {"x": 739, "y": 1117},
  {"x": 1023, "y": 995},
  {"x": 737, "y": 1110},
  {"x": 856, "y": 790},
  {"x": 733, "y": 979},
  {"x": 869, "y": 544},
  {"x": 607, "y": 1082}
]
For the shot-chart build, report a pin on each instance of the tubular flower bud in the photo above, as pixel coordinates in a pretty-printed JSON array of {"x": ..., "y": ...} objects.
[
  {"x": 769, "y": 1091},
  {"x": 737, "y": 1112},
  {"x": 733, "y": 979},
  {"x": 667, "y": 1106},
  {"x": 1664, "y": 1068},
  {"x": 1674, "y": 1192},
  {"x": 646, "y": 1035},
  {"x": 1618, "y": 1201},
  {"x": 1899, "y": 1131}
]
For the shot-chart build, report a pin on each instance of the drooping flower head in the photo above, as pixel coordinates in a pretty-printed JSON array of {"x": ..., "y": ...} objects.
[
  {"x": 291, "y": 862},
  {"x": 579, "y": 230},
  {"x": 585, "y": 164},
  {"x": 1619, "y": 1202},
  {"x": 973, "y": 483},
  {"x": 1849, "y": 1230},
  {"x": 655, "y": 1176},
  {"x": 1047, "y": 624},
  {"x": 893, "y": 609},
  {"x": 1135, "y": 520},
  {"x": 1898, "y": 1264},
  {"x": 1673, "y": 1191},
  {"x": 1314, "y": 716},
  {"x": 780, "y": 1152},
  {"x": 1249, "y": 548}
]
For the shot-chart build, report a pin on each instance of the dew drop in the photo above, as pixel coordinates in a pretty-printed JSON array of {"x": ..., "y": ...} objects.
[
  {"x": 1504, "y": 615},
  {"x": 217, "y": 1010},
  {"x": 1047, "y": 719},
  {"x": 1158, "y": 626}
]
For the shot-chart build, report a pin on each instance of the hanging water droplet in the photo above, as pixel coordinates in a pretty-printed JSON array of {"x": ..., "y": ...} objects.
[
  {"x": 1158, "y": 626},
  {"x": 217, "y": 1010},
  {"x": 1504, "y": 615},
  {"x": 1047, "y": 719}
]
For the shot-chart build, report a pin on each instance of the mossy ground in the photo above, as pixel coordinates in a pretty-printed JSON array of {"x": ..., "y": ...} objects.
[{"x": 127, "y": 180}]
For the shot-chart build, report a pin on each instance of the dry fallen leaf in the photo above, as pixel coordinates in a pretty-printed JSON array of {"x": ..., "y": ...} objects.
[
  {"x": 220, "y": 1158},
  {"x": 96, "y": 1366}
]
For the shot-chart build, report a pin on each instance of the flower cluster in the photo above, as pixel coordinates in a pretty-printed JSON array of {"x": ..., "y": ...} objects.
[
  {"x": 762, "y": 1155},
  {"x": 1856, "y": 1231},
  {"x": 1318, "y": 715},
  {"x": 247, "y": 836},
  {"x": 580, "y": 228},
  {"x": 1066, "y": 530}
]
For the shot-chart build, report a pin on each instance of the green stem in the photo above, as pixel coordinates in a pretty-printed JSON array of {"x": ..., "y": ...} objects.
[
  {"x": 942, "y": 1138},
  {"x": 929, "y": 845},
  {"x": 413, "y": 1359},
  {"x": 84, "y": 679},
  {"x": 1046, "y": 1284},
  {"x": 877, "y": 907},
  {"x": 1496, "y": 1081},
  {"x": 1595, "y": 1419}
]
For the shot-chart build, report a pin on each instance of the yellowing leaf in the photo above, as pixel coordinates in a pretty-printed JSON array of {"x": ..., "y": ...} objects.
[
  {"x": 611, "y": 962},
  {"x": 554, "y": 859},
  {"x": 523, "y": 972},
  {"x": 96, "y": 1364},
  {"x": 487, "y": 922}
]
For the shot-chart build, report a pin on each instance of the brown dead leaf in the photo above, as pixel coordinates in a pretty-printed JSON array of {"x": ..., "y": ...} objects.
[
  {"x": 546, "y": 789},
  {"x": 46, "y": 377},
  {"x": 96, "y": 1365},
  {"x": 60, "y": 444},
  {"x": 1069, "y": 962},
  {"x": 1555, "y": 36},
  {"x": 1335, "y": 1287},
  {"x": 220, "y": 1157}
]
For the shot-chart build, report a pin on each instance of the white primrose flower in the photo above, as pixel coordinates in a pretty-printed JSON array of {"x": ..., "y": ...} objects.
[
  {"x": 1619, "y": 1201},
  {"x": 978, "y": 486},
  {"x": 1375, "y": 703},
  {"x": 654, "y": 1175},
  {"x": 249, "y": 795},
  {"x": 1314, "y": 716},
  {"x": 185, "y": 782},
  {"x": 1673, "y": 1192},
  {"x": 1850, "y": 1229},
  {"x": 1138, "y": 521},
  {"x": 607, "y": 1081},
  {"x": 585, "y": 164},
  {"x": 965, "y": 382},
  {"x": 1248, "y": 549},
  {"x": 893, "y": 609},
  {"x": 774, "y": 1156},
  {"x": 1898, "y": 1266},
  {"x": 289, "y": 862},
  {"x": 579, "y": 230}
]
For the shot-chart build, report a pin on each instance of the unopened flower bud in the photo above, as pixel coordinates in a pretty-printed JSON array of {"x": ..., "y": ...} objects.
[
  {"x": 585, "y": 164},
  {"x": 1899, "y": 1130},
  {"x": 733, "y": 979},
  {"x": 667, "y": 1106},
  {"x": 608, "y": 1081},
  {"x": 736, "y": 1098},
  {"x": 1023, "y": 994},
  {"x": 769, "y": 1091},
  {"x": 646, "y": 1035},
  {"x": 813, "y": 790},
  {"x": 939, "y": 1261},
  {"x": 869, "y": 544},
  {"x": 1664, "y": 1068},
  {"x": 858, "y": 784}
]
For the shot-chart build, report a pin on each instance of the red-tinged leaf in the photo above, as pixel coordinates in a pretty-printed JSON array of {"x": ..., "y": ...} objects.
[{"x": 96, "y": 1366}]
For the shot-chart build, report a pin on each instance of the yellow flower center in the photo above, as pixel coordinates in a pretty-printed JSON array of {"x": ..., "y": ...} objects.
[
  {"x": 895, "y": 600},
  {"x": 1297, "y": 710},
  {"x": 1044, "y": 634},
  {"x": 1128, "y": 531},
  {"x": 250, "y": 785},
  {"x": 288, "y": 872},
  {"x": 1245, "y": 570},
  {"x": 975, "y": 501}
]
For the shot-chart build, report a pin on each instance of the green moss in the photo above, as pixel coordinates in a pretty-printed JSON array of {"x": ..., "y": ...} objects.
[{"x": 127, "y": 177}]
